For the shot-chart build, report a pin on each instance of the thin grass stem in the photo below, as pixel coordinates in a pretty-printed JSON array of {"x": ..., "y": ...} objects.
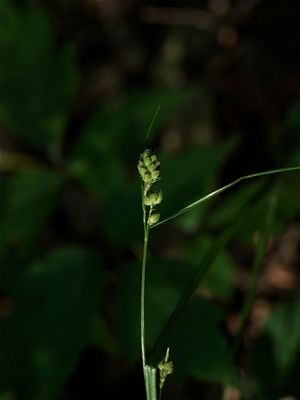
[
  {"x": 143, "y": 278},
  {"x": 221, "y": 190},
  {"x": 152, "y": 122}
]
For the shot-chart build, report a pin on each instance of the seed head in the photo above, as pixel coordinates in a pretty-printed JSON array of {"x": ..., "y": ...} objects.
[
  {"x": 153, "y": 219},
  {"x": 148, "y": 167},
  {"x": 153, "y": 199},
  {"x": 165, "y": 368}
]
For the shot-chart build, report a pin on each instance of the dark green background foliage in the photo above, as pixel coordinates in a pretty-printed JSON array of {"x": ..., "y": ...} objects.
[{"x": 80, "y": 82}]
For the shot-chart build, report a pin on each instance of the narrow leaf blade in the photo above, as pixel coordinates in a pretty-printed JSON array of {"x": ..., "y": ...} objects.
[
  {"x": 210, "y": 256},
  {"x": 222, "y": 189}
]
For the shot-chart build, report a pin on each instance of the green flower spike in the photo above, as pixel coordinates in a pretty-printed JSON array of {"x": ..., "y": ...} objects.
[
  {"x": 165, "y": 368},
  {"x": 148, "y": 167}
]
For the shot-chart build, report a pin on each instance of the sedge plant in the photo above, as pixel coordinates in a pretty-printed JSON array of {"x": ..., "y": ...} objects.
[{"x": 148, "y": 167}]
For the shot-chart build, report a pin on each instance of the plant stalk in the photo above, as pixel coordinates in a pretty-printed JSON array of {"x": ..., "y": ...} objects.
[
  {"x": 145, "y": 250},
  {"x": 149, "y": 372}
]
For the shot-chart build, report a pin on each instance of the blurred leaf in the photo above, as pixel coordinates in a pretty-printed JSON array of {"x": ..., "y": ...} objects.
[
  {"x": 37, "y": 80},
  {"x": 164, "y": 281},
  {"x": 199, "y": 327},
  {"x": 187, "y": 175},
  {"x": 101, "y": 337},
  {"x": 288, "y": 206},
  {"x": 285, "y": 323},
  {"x": 265, "y": 228},
  {"x": 219, "y": 280},
  {"x": 54, "y": 305},
  {"x": 122, "y": 215},
  {"x": 27, "y": 200},
  {"x": 264, "y": 372},
  {"x": 197, "y": 345},
  {"x": 275, "y": 357},
  {"x": 16, "y": 162},
  {"x": 187, "y": 294},
  {"x": 231, "y": 203},
  {"x": 7, "y": 396}
]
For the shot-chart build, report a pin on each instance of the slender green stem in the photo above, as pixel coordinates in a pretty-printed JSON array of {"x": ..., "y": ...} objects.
[
  {"x": 146, "y": 236},
  {"x": 160, "y": 391},
  {"x": 143, "y": 278},
  {"x": 148, "y": 170},
  {"x": 149, "y": 372},
  {"x": 152, "y": 122}
]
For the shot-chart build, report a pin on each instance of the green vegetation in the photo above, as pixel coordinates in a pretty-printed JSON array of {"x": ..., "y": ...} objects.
[{"x": 220, "y": 291}]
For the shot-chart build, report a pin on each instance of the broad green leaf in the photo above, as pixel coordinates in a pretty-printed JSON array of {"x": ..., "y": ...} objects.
[
  {"x": 285, "y": 323},
  {"x": 27, "y": 200},
  {"x": 38, "y": 78},
  {"x": 121, "y": 217},
  {"x": 219, "y": 280},
  {"x": 275, "y": 356},
  {"x": 190, "y": 173},
  {"x": 55, "y": 302},
  {"x": 197, "y": 345},
  {"x": 230, "y": 204},
  {"x": 101, "y": 337}
]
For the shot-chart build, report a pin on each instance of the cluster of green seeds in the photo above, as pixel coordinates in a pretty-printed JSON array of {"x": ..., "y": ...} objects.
[{"x": 148, "y": 168}]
